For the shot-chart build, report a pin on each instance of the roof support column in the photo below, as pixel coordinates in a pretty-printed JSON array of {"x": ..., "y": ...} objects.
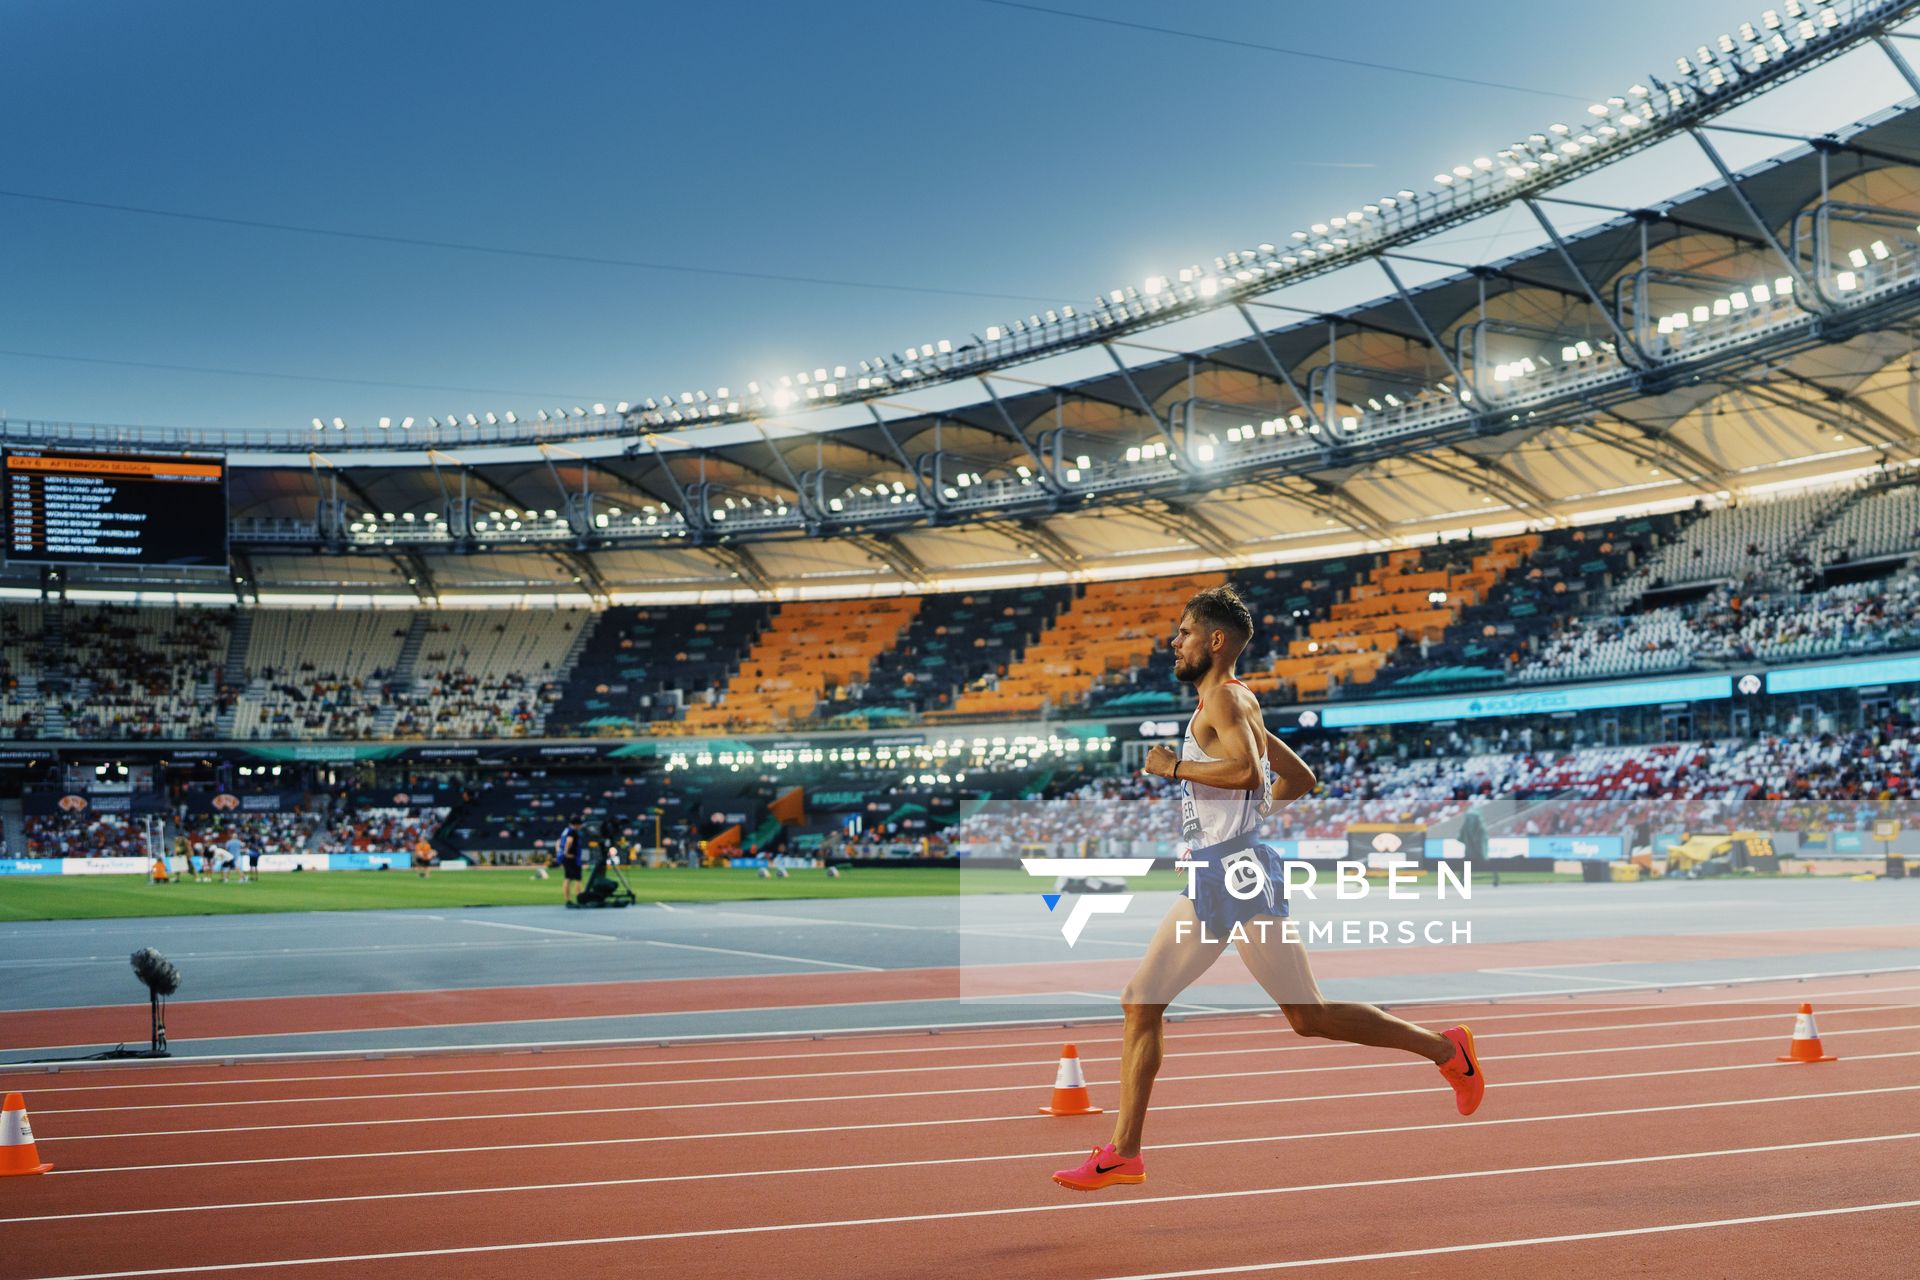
[
  {"x": 1810, "y": 297},
  {"x": 1627, "y": 344},
  {"x": 1176, "y": 450},
  {"x": 1273, "y": 358},
  {"x": 1433, "y": 339},
  {"x": 1900, "y": 64},
  {"x": 1047, "y": 478},
  {"x": 929, "y": 500}
]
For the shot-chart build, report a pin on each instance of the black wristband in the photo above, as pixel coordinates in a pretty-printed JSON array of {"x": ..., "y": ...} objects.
[{"x": 1176, "y": 771}]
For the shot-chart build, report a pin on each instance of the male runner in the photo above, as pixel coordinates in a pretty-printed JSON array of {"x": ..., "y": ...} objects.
[{"x": 1232, "y": 773}]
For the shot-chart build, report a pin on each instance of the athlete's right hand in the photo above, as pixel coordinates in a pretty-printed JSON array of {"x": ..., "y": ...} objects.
[{"x": 1160, "y": 761}]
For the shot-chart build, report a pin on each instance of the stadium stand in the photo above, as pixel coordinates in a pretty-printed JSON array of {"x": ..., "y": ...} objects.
[
  {"x": 1784, "y": 782},
  {"x": 487, "y": 673},
  {"x": 636, "y": 663},
  {"x": 317, "y": 674},
  {"x": 806, "y": 648},
  {"x": 1112, "y": 627},
  {"x": 142, "y": 672},
  {"x": 1735, "y": 544},
  {"x": 957, "y": 641},
  {"x": 1808, "y": 576},
  {"x": 1883, "y": 521},
  {"x": 378, "y": 828},
  {"x": 21, "y": 662},
  {"x": 84, "y": 835}
]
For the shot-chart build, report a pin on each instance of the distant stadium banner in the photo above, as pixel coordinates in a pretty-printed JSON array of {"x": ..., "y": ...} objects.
[
  {"x": 408, "y": 798},
  {"x": 1560, "y": 848},
  {"x": 104, "y": 866},
  {"x": 1845, "y": 675},
  {"x": 141, "y": 866},
  {"x": 30, "y": 866},
  {"x": 228, "y": 803},
  {"x": 367, "y": 861},
  {"x": 41, "y": 804},
  {"x": 1591, "y": 697},
  {"x": 14, "y": 757},
  {"x": 1381, "y": 844},
  {"x": 442, "y": 753},
  {"x": 324, "y": 752}
]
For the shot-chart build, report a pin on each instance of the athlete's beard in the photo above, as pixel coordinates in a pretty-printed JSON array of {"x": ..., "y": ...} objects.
[{"x": 1191, "y": 675}]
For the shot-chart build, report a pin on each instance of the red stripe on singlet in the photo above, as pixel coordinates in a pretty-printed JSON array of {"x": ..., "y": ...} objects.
[{"x": 1203, "y": 702}]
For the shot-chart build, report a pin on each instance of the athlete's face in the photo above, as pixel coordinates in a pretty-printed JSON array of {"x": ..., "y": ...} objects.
[{"x": 1192, "y": 655}]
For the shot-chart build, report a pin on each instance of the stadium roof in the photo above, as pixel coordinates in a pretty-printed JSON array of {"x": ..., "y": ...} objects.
[{"x": 1353, "y": 429}]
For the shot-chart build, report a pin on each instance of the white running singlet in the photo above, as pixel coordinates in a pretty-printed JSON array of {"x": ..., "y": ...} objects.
[{"x": 1211, "y": 815}]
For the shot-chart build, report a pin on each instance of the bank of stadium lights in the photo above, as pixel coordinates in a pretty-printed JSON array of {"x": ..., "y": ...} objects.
[
  {"x": 1713, "y": 73},
  {"x": 1743, "y": 299}
]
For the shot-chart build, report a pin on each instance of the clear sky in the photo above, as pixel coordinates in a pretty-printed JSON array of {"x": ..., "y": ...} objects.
[{"x": 945, "y": 150}]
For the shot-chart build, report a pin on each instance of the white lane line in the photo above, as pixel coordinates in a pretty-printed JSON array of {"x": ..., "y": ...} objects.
[
  {"x": 285, "y": 953},
  {"x": 534, "y": 928},
  {"x": 893, "y": 1069},
  {"x": 1524, "y": 1241},
  {"x": 912, "y": 1124},
  {"x": 778, "y": 1033},
  {"x": 666, "y": 906},
  {"x": 1552, "y": 975},
  {"x": 1399, "y": 1064},
  {"x": 763, "y": 955},
  {"x": 1479, "y": 1019},
  {"x": 762, "y": 1172},
  {"x": 1018, "y": 1210}
]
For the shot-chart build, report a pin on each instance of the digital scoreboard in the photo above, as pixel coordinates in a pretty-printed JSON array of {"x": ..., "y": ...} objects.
[{"x": 116, "y": 508}]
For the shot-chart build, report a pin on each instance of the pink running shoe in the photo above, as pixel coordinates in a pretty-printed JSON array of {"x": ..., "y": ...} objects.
[
  {"x": 1102, "y": 1169},
  {"x": 1463, "y": 1072}
]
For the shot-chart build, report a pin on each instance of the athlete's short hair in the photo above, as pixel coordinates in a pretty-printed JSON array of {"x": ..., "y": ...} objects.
[{"x": 1221, "y": 608}]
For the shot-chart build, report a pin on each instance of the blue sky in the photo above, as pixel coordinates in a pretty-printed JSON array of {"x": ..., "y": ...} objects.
[{"x": 967, "y": 147}]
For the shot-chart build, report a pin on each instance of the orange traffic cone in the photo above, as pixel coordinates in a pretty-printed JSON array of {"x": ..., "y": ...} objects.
[
  {"x": 18, "y": 1155},
  {"x": 1069, "y": 1088},
  {"x": 1806, "y": 1040}
]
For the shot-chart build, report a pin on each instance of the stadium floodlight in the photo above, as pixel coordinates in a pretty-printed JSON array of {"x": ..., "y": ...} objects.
[
  {"x": 472, "y": 421},
  {"x": 386, "y": 423},
  {"x": 319, "y": 425},
  {"x": 491, "y": 420},
  {"x": 339, "y": 424},
  {"x": 513, "y": 419},
  {"x": 406, "y": 424}
]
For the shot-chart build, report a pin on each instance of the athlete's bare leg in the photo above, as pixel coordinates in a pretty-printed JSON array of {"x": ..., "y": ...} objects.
[
  {"x": 1282, "y": 970},
  {"x": 1174, "y": 959}
]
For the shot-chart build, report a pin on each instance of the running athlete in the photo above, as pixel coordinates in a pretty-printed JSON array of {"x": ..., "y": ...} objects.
[{"x": 1231, "y": 773}]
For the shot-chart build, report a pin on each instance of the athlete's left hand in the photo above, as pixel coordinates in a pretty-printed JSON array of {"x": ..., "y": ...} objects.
[{"x": 1160, "y": 761}]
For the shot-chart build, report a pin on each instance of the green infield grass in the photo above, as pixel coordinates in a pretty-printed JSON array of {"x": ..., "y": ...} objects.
[{"x": 98, "y": 897}]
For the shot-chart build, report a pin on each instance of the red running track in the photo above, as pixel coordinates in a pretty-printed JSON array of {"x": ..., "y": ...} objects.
[
  {"x": 392, "y": 1010},
  {"x": 1651, "y": 1136}
]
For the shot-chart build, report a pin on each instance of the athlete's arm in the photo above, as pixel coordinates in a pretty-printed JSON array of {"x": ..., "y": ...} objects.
[
  {"x": 1292, "y": 777},
  {"x": 1234, "y": 717}
]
